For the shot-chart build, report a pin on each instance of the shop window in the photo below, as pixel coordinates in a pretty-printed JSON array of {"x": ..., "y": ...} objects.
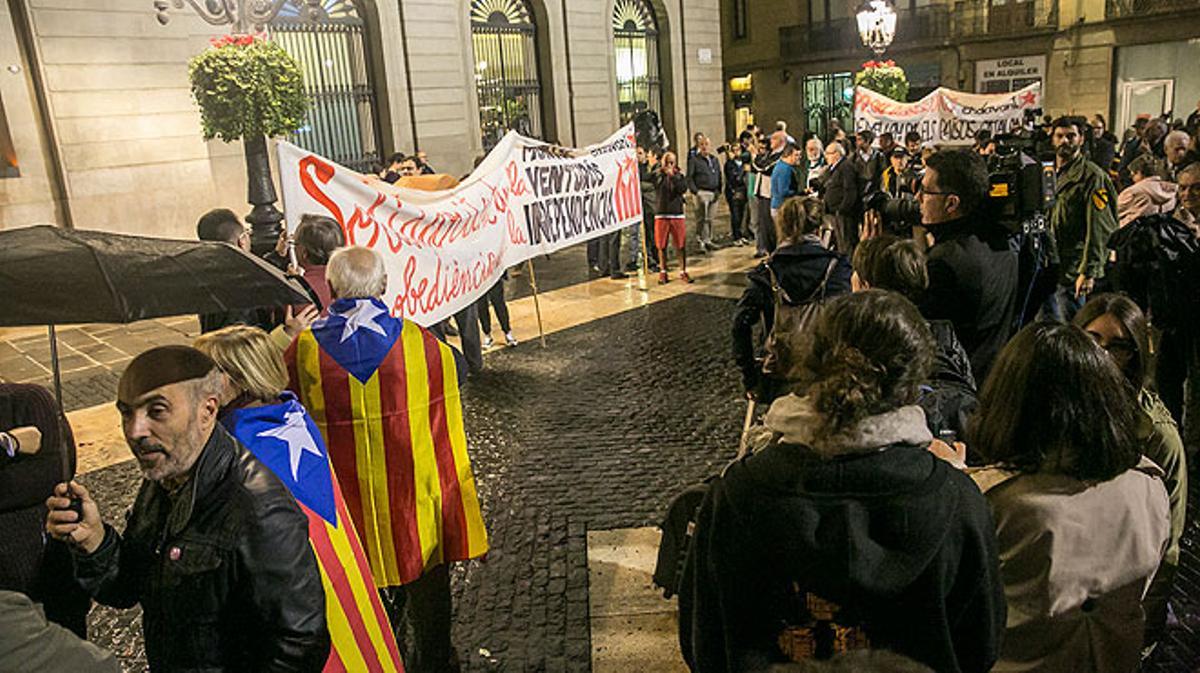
[{"x": 504, "y": 38}]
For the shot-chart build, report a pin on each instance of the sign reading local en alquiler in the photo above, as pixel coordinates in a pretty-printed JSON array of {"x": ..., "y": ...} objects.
[{"x": 1008, "y": 74}]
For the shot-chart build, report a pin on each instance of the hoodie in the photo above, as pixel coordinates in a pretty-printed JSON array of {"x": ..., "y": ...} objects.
[
  {"x": 1148, "y": 197},
  {"x": 864, "y": 533}
]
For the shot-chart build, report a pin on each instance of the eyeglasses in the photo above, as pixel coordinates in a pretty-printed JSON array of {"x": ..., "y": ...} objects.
[{"x": 921, "y": 190}]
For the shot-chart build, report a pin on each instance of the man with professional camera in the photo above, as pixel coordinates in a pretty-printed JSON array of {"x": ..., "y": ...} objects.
[
  {"x": 1083, "y": 217},
  {"x": 973, "y": 268}
]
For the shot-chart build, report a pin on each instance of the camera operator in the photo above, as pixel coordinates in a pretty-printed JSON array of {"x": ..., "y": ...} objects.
[
  {"x": 1083, "y": 217},
  {"x": 898, "y": 179},
  {"x": 972, "y": 266}
]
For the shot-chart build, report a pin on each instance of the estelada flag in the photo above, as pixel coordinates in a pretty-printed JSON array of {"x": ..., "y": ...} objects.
[
  {"x": 384, "y": 393},
  {"x": 285, "y": 439}
]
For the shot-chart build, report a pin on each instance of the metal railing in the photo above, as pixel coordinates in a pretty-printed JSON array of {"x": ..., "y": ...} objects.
[
  {"x": 1115, "y": 9},
  {"x": 913, "y": 26},
  {"x": 981, "y": 18}
]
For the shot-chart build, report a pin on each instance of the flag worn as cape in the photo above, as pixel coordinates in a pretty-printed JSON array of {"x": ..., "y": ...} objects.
[
  {"x": 384, "y": 393},
  {"x": 285, "y": 439}
]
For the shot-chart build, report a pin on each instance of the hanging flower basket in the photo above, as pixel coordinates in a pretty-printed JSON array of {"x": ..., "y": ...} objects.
[
  {"x": 247, "y": 87},
  {"x": 884, "y": 77}
]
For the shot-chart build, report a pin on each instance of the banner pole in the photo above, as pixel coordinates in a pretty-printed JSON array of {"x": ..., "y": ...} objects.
[
  {"x": 537, "y": 307},
  {"x": 644, "y": 269}
]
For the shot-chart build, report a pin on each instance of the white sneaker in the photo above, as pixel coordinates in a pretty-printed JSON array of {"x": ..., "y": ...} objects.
[
  {"x": 487, "y": 341},
  {"x": 510, "y": 339}
]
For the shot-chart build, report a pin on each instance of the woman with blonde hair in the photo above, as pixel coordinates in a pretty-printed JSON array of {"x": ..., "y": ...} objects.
[
  {"x": 272, "y": 424},
  {"x": 801, "y": 267}
]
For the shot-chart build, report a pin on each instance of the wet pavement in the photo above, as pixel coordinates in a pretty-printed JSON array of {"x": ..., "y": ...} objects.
[{"x": 597, "y": 431}]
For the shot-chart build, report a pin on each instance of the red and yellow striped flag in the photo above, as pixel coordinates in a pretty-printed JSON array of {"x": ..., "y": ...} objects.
[
  {"x": 384, "y": 393},
  {"x": 286, "y": 440}
]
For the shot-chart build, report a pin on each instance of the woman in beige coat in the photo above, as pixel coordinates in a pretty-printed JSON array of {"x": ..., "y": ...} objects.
[{"x": 1081, "y": 519}]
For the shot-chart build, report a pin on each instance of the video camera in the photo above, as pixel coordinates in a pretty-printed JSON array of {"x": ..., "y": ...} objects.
[
  {"x": 1020, "y": 187},
  {"x": 899, "y": 213}
]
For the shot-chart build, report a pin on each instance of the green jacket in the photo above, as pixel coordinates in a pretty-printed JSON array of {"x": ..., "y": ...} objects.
[
  {"x": 1083, "y": 217},
  {"x": 1161, "y": 443}
]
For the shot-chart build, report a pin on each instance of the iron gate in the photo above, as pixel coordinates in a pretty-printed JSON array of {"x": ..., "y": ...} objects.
[
  {"x": 506, "y": 74},
  {"x": 342, "y": 123}
]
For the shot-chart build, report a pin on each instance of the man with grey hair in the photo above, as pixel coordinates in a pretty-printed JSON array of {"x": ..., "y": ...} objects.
[
  {"x": 1175, "y": 147},
  {"x": 387, "y": 401},
  {"x": 215, "y": 549},
  {"x": 842, "y": 198}
]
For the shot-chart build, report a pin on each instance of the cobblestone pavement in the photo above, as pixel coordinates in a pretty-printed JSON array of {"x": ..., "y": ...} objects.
[{"x": 597, "y": 431}]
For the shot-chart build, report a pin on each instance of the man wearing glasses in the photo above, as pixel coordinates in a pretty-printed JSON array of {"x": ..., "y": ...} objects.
[{"x": 972, "y": 266}]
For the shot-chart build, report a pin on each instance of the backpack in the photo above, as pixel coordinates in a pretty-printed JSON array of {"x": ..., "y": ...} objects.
[{"x": 793, "y": 324}]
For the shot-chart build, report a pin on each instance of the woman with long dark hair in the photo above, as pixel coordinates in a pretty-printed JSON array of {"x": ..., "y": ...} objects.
[
  {"x": 1119, "y": 326},
  {"x": 1081, "y": 519},
  {"x": 845, "y": 523}
]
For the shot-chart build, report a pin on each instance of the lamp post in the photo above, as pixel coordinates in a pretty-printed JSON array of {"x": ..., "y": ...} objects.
[
  {"x": 246, "y": 17},
  {"x": 876, "y": 25}
]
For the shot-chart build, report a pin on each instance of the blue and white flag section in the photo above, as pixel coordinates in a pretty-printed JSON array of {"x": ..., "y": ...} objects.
[{"x": 444, "y": 249}]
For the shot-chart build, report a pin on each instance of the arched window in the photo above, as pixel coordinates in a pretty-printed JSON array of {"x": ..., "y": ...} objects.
[
  {"x": 342, "y": 122},
  {"x": 506, "y": 73},
  {"x": 635, "y": 35}
]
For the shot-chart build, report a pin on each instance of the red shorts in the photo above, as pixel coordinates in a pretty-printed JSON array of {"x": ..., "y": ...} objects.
[{"x": 669, "y": 224}]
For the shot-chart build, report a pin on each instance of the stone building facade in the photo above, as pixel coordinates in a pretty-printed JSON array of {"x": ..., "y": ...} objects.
[
  {"x": 1119, "y": 58},
  {"x": 98, "y": 129}
]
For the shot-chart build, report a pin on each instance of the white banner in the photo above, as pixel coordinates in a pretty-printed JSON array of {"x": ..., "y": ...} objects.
[
  {"x": 945, "y": 116},
  {"x": 444, "y": 249}
]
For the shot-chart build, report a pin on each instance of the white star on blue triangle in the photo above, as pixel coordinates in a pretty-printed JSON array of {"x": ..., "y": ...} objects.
[
  {"x": 285, "y": 439},
  {"x": 358, "y": 334}
]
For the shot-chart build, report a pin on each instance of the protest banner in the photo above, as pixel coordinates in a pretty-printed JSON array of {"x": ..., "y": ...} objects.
[
  {"x": 945, "y": 116},
  {"x": 444, "y": 249}
]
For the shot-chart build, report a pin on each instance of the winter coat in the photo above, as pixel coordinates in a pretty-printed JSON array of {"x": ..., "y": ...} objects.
[
  {"x": 648, "y": 177},
  {"x": 735, "y": 180},
  {"x": 949, "y": 397},
  {"x": 30, "y": 563},
  {"x": 762, "y": 167},
  {"x": 223, "y": 571},
  {"x": 1104, "y": 150},
  {"x": 865, "y": 531},
  {"x": 1161, "y": 443},
  {"x": 1150, "y": 196},
  {"x": 973, "y": 284},
  {"x": 30, "y": 644},
  {"x": 671, "y": 189},
  {"x": 1076, "y": 558},
  {"x": 703, "y": 173},
  {"x": 800, "y": 268},
  {"x": 870, "y": 169},
  {"x": 842, "y": 189},
  {"x": 1081, "y": 221}
]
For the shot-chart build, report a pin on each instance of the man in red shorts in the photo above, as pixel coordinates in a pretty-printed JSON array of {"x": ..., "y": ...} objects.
[{"x": 669, "y": 220}]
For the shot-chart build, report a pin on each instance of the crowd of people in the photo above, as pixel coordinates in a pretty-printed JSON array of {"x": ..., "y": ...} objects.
[
  {"x": 972, "y": 454},
  {"x": 973, "y": 451}
]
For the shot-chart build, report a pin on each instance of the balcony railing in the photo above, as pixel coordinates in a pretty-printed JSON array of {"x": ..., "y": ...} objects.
[
  {"x": 924, "y": 24},
  {"x": 977, "y": 18},
  {"x": 1115, "y": 9}
]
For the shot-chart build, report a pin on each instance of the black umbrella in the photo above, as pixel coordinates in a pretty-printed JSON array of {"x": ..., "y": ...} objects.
[{"x": 52, "y": 276}]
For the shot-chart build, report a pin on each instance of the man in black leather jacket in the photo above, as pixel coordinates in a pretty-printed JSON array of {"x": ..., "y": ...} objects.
[{"x": 215, "y": 549}]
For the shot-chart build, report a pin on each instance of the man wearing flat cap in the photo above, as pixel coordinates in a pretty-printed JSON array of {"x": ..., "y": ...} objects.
[{"x": 215, "y": 549}]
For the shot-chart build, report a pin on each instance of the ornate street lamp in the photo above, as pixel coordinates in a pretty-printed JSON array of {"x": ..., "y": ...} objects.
[
  {"x": 246, "y": 17},
  {"x": 876, "y": 25},
  {"x": 243, "y": 15}
]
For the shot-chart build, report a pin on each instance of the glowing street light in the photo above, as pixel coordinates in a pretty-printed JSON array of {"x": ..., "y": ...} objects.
[{"x": 877, "y": 25}]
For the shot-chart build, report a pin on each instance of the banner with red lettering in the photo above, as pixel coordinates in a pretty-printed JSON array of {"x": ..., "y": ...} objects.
[
  {"x": 444, "y": 249},
  {"x": 945, "y": 116}
]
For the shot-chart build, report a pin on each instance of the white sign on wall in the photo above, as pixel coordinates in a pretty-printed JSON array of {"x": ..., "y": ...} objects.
[
  {"x": 705, "y": 56},
  {"x": 1002, "y": 75}
]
